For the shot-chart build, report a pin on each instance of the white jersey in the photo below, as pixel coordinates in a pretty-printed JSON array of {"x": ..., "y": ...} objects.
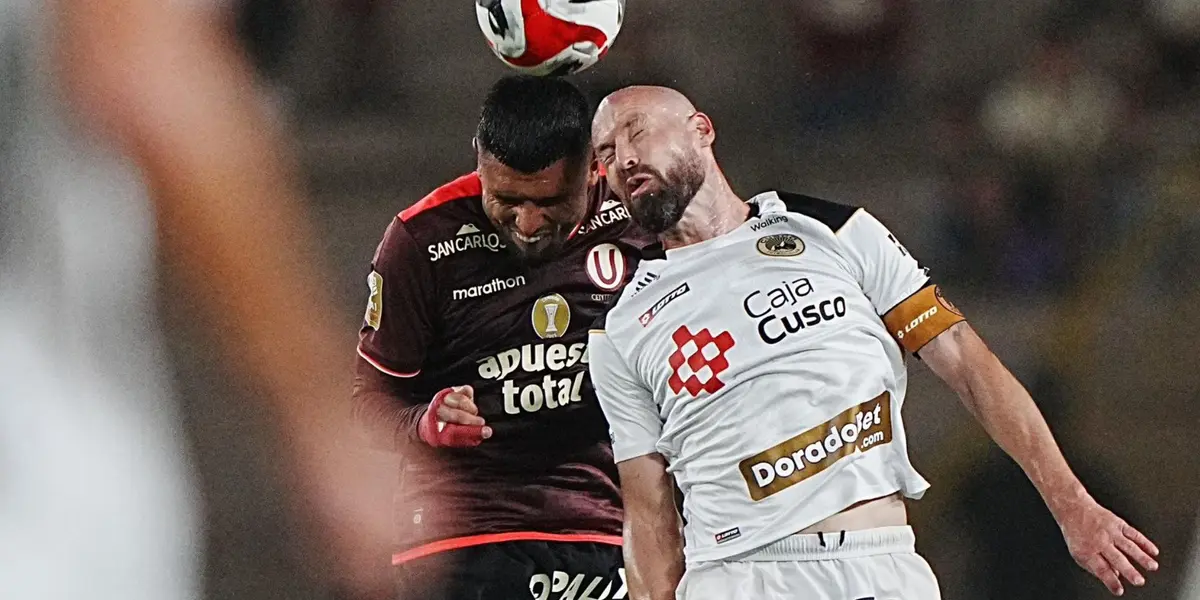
[
  {"x": 757, "y": 363},
  {"x": 97, "y": 499}
]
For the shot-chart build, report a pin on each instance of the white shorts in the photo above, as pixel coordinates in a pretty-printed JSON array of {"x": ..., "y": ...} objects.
[{"x": 873, "y": 564}]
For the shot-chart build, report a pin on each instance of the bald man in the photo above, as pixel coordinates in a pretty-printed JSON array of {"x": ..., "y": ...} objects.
[{"x": 760, "y": 360}]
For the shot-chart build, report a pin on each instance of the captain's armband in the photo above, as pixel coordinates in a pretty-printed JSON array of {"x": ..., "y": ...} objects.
[{"x": 921, "y": 317}]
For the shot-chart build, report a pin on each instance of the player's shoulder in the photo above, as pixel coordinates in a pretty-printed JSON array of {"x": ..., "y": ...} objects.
[
  {"x": 443, "y": 222},
  {"x": 829, "y": 214},
  {"x": 445, "y": 205},
  {"x": 644, "y": 281}
]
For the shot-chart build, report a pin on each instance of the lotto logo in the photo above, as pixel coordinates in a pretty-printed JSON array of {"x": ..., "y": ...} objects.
[{"x": 697, "y": 360}]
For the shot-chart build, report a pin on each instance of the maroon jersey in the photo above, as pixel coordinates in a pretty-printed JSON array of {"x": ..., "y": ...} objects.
[{"x": 450, "y": 306}]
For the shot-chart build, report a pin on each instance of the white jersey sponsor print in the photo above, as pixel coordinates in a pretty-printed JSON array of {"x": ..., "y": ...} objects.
[{"x": 757, "y": 363}]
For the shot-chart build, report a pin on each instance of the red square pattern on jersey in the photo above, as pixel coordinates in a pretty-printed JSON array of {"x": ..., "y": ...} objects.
[{"x": 704, "y": 358}]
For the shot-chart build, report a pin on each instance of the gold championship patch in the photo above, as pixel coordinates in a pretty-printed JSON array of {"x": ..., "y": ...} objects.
[
  {"x": 375, "y": 302},
  {"x": 920, "y": 318},
  {"x": 857, "y": 429}
]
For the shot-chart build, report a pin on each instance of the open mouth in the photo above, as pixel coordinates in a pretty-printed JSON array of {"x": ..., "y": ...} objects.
[{"x": 638, "y": 184}]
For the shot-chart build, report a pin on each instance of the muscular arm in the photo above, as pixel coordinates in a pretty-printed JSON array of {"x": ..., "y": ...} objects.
[
  {"x": 1002, "y": 405},
  {"x": 1099, "y": 541},
  {"x": 653, "y": 535}
]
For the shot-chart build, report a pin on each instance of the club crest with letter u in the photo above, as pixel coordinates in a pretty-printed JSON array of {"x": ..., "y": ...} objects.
[{"x": 606, "y": 266}]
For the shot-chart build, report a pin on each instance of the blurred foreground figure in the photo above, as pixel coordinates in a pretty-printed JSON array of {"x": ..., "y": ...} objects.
[{"x": 122, "y": 119}]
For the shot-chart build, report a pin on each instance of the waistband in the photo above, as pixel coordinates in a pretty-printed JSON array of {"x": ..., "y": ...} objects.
[{"x": 836, "y": 545}]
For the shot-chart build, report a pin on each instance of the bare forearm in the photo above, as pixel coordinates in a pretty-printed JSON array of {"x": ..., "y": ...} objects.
[
  {"x": 1006, "y": 411},
  {"x": 653, "y": 536},
  {"x": 653, "y": 556}
]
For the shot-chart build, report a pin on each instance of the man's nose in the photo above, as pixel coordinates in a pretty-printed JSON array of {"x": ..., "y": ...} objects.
[
  {"x": 626, "y": 158},
  {"x": 529, "y": 219}
]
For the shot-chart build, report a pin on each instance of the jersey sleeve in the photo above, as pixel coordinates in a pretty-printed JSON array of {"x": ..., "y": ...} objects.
[
  {"x": 633, "y": 421},
  {"x": 899, "y": 288},
  {"x": 400, "y": 316}
]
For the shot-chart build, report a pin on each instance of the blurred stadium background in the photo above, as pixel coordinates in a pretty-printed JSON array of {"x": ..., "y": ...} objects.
[{"x": 1043, "y": 157}]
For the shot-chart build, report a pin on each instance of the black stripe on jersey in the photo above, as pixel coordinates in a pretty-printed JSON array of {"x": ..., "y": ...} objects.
[{"x": 832, "y": 214}]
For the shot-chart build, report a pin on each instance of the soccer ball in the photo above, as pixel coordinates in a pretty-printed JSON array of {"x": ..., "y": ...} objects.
[{"x": 550, "y": 37}]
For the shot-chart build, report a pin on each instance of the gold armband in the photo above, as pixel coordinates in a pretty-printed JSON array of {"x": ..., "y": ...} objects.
[{"x": 921, "y": 317}]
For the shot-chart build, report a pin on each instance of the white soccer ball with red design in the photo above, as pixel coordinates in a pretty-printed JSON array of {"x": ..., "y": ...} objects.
[{"x": 550, "y": 37}]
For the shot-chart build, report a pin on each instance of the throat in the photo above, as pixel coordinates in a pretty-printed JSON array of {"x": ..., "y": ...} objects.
[{"x": 706, "y": 223}]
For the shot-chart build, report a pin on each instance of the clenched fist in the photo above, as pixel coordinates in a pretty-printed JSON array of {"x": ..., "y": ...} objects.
[{"x": 452, "y": 420}]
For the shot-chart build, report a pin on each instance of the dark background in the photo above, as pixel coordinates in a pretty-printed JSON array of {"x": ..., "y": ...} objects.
[{"x": 1043, "y": 157}]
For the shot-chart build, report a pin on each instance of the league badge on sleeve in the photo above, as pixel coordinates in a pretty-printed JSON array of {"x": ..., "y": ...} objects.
[{"x": 375, "y": 302}]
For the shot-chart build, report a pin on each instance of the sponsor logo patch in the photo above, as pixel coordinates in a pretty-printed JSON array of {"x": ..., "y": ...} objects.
[
  {"x": 491, "y": 287},
  {"x": 562, "y": 367},
  {"x": 779, "y": 313},
  {"x": 766, "y": 222},
  {"x": 857, "y": 429},
  {"x": 375, "y": 301},
  {"x": 921, "y": 317},
  {"x": 605, "y": 265},
  {"x": 698, "y": 360},
  {"x": 611, "y": 211},
  {"x": 728, "y": 535},
  {"x": 780, "y": 244},
  {"x": 468, "y": 237},
  {"x": 662, "y": 303},
  {"x": 551, "y": 316}
]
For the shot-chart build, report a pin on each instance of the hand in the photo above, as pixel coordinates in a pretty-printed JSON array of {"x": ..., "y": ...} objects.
[
  {"x": 452, "y": 420},
  {"x": 1103, "y": 544}
]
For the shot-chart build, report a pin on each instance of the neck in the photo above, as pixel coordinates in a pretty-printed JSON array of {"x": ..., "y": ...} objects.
[{"x": 714, "y": 211}]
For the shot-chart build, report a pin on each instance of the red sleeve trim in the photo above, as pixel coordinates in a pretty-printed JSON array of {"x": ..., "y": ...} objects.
[
  {"x": 464, "y": 187},
  {"x": 385, "y": 370},
  {"x": 496, "y": 538}
]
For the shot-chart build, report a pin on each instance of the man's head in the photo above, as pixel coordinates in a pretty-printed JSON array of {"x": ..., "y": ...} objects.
[
  {"x": 655, "y": 147},
  {"x": 534, "y": 158}
]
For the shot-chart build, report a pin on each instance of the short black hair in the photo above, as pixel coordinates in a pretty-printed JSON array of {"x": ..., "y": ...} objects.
[{"x": 529, "y": 123}]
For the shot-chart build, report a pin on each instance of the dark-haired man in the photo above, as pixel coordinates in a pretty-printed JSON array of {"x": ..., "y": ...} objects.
[{"x": 474, "y": 351}]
